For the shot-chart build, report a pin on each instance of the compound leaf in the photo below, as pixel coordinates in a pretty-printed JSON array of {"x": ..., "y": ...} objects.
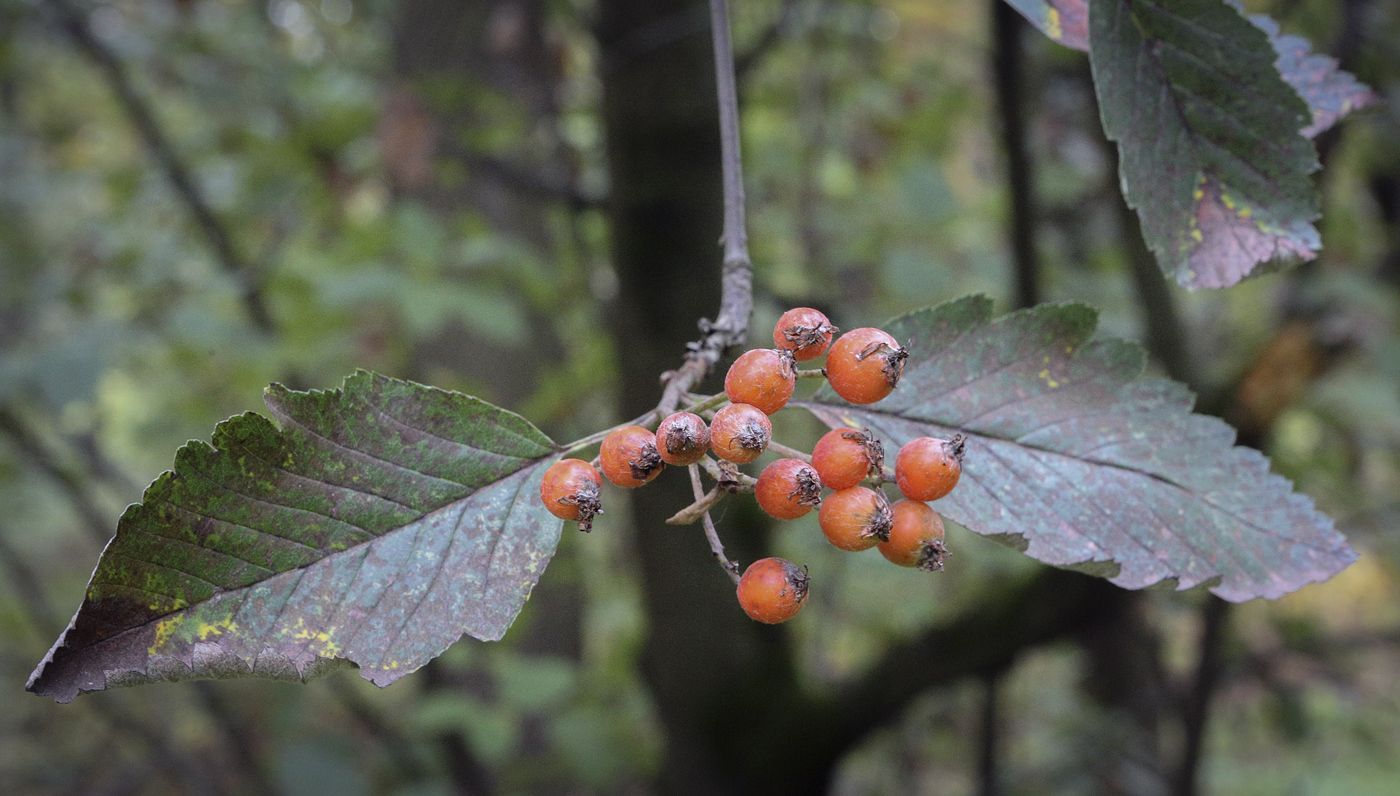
[
  {"x": 381, "y": 522},
  {"x": 1075, "y": 460}
]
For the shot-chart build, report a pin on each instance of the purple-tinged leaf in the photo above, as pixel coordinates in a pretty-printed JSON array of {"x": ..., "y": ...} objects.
[
  {"x": 1064, "y": 21},
  {"x": 1330, "y": 92},
  {"x": 1075, "y": 460},
  {"x": 1208, "y": 134},
  {"x": 381, "y": 522}
]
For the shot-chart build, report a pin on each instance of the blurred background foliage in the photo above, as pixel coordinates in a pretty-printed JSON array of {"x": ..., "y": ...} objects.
[{"x": 199, "y": 197}]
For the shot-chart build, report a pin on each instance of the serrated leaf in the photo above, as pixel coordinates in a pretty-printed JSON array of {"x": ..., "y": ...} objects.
[
  {"x": 1208, "y": 133},
  {"x": 381, "y": 522},
  {"x": 1064, "y": 21},
  {"x": 1329, "y": 92},
  {"x": 1074, "y": 459}
]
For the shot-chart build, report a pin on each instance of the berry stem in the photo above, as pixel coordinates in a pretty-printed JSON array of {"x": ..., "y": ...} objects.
[
  {"x": 717, "y": 471},
  {"x": 691, "y": 513},
  {"x": 812, "y": 373},
  {"x": 790, "y": 453},
  {"x": 707, "y": 403},
  {"x": 716, "y": 547}
]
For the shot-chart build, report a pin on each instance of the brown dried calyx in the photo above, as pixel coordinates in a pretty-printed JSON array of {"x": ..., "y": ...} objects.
[
  {"x": 893, "y": 366},
  {"x": 587, "y": 498}
]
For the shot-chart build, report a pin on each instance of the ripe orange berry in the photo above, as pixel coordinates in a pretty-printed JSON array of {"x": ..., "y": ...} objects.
[
  {"x": 916, "y": 537},
  {"x": 682, "y": 439},
  {"x": 772, "y": 590},
  {"x": 844, "y": 457},
  {"x": 864, "y": 365},
  {"x": 928, "y": 468},
  {"x": 761, "y": 378},
  {"x": 856, "y": 518},
  {"x": 570, "y": 490},
  {"x": 805, "y": 332},
  {"x": 788, "y": 489},
  {"x": 629, "y": 457},
  {"x": 740, "y": 433}
]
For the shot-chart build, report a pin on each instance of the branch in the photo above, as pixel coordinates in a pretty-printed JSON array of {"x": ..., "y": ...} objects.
[
  {"x": 74, "y": 485},
  {"x": 1006, "y": 67},
  {"x": 74, "y": 23},
  {"x": 711, "y": 534},
  {"x": 731, "y": 327},
  {"x": 1208, "y": 671}
]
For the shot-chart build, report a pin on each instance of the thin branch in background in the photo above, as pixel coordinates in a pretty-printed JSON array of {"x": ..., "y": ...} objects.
[
  {"x": 469, "y": 776},
  {"x": 74, "y": 485},
  {"x": 731, "y": 327},
  {"x": 387, "y": 738},
  {"x": 1196, "y": 710},
  {"x": 1006, "y": 69},
  {"x": 237, "y": 738},
  {"x": 75, "y": 24},
  {"x": 29, "y": 588},
  {"x": 745, "y": 62},
  {"x": 987, "y": 738}
]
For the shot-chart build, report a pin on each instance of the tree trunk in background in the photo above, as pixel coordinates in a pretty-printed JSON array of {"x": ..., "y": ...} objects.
[{"x": 666, "y": 201}]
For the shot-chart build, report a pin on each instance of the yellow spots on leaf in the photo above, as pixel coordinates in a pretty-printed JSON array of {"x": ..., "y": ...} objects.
[
  {"x": 1228, "y": 200},
  {"x": 1053, "y": 27},
  {"x": 164, "y": 629},
  {"x": 1197, "y": 236},
  {"x": 322, "y": 642},
  {"x": 1045, "y": 374},
  {"x": 207, "y": 629},
  {"x": 1199, "y": 194}
]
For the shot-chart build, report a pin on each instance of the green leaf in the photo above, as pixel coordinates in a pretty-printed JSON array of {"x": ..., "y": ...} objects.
[
  {"x": 1208, "y": 134},
  {"x": 381, "y": 522},
  {"x": 1078, "y": 462}
]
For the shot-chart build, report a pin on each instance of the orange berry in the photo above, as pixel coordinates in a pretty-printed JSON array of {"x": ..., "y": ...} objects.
[
  {"x": 844, "y": 457},
  {"x": 682, "y": 438},
  {"x": 805, "y": 332},
  {"x": 629, "y": 457},
  {"x": 761, "y": 378},
  {"x": 928, "y": 468},
  {"x": 855, "y": 518},
  {"x": 916, "y": 537},
  {"x": 772, "y": 590},
  {"x": 570, "y": 490},
  {"x": 740, "y": 433},
  {"x": 864, "y": 365},
  {"x": 788, "y": 489}
]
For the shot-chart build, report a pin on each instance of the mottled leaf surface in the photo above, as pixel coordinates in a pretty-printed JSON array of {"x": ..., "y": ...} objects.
[
  {"x": 1064, "y": 21},
  {"x": 1329, "y": 92},
  {"x": 1208, "y": 133},
  {"x": 377, "y": 525},
  {"x": 1080, "y": 463}
]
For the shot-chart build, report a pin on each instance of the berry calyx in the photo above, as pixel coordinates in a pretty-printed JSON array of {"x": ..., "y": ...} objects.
[
  {"x": 805, "y": 332},
  {"x": 629, "y": 457},
  {"x": 772, "y": 590},
  {"x": 570, "y": 489},
  {"x": 788, "y": 489},
  {"x": 928, "y": 468},
  {"x": 856, "y": 518},
  {"x": 864, "y": 365},
  {"x": 682, "y": 438},
  {"x": 740, "y": 433},
  {"x": 916, "y": 537},
  {"x": 844, "y": 457},
  {"x": 762, "y": 378}
]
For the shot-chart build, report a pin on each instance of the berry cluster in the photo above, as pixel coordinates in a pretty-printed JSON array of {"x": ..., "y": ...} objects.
[{"x": 862, "y": 366}]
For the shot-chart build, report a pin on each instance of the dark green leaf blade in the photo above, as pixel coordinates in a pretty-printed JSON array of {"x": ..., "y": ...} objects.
[
  {"x": 379, "y": 524},
  {"x": 1208, "y": 134},
  {"x": 1075, "y": 460},
  {"x": 1064, "y": 21}
]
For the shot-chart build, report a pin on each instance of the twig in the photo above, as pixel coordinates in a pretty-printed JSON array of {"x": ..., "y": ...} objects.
[
  {"x": 711, "y": 534},
  {"x": 731, "y": 327},
  {"x": 75, "y": 24},
  {"x": 693, "y": 512},
  {"x": 791, "y": 453}
]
